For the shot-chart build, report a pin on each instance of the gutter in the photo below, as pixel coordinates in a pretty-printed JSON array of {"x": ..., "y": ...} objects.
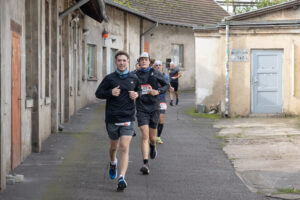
[
  {"x": 100, "y": 3},
  {"x": 72, "y": 8},
  {"x": 145, "y": 33}
]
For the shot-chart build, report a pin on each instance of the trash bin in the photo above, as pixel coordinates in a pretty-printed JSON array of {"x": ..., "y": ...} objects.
[{"x": 200, "y": 108}]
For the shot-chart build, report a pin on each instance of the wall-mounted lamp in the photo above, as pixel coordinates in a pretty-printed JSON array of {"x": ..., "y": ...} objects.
[{"x": 104, "y": 34}]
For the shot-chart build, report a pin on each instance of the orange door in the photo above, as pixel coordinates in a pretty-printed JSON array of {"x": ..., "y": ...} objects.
[{"x": 15, "y": 101}]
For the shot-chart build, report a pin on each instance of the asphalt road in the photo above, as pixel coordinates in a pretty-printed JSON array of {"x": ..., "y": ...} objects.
[{"x": 73, "y": 164}]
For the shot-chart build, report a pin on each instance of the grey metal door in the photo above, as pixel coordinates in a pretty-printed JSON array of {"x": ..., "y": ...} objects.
[{"x": 266, "y": 81}]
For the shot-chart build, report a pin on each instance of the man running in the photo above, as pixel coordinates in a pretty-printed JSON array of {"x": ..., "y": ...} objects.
[
  {"x": 174, "y": 75},
  {"x": 120, "y": 89},
  {"x": 162, "y": 103},
  {"x": 147, "y": 106}
]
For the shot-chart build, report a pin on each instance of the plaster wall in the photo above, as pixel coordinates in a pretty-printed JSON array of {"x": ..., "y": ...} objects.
[
  {"x": 160, "y": 41},
  {"x": 209, "y": 73},
  {"x": 12, "y": 10}
]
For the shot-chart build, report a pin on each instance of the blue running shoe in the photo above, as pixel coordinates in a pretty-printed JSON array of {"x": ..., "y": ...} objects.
[
  {"x": 112, "y": 171},
  {"x": 121, "y": 184}
]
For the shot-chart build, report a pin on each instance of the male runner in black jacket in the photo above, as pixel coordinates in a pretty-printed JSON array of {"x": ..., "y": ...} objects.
[
  {"x": 120, "y": 89},
  {"x": 147, "y": 106}
]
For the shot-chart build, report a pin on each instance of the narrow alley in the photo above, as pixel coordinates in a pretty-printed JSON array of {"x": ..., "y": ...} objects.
[{"x": 73, "y": 164}]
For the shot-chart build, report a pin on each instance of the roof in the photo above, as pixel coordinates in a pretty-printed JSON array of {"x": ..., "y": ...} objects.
[
  {"x": 177, "y": 12},
  {"x": 266, "y": 10},
  {"x": 93, "y": 10}
]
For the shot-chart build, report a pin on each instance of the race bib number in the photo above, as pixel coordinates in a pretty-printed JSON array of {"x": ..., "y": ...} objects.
[
  {"x": 146, "y": 89},
  {"x": 163, "y": 106},
  {"x": 123, "y": 124}
]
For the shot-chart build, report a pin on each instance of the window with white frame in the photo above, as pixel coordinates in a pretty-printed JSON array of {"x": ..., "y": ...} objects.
[
  {"x": 177, "y": 55},
  {"x": 91, "y": 61}
]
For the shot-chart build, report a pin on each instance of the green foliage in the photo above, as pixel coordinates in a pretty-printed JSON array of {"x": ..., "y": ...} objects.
[
  {"x": 192, "y": 112},
  {"x": 288, "y": 190},
  {"x": 265, "y": 3}
]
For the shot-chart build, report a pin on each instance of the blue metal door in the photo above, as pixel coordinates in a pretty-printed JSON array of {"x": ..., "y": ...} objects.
[{"x": 266, "y": 81}]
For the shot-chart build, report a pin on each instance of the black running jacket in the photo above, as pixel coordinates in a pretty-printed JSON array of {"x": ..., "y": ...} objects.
[
  {"x": 121, "y": 108},
  {"x": 149, "y": 80}
]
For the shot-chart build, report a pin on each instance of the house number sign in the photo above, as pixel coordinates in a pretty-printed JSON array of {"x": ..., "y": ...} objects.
[{"x": 239, "y": 55}]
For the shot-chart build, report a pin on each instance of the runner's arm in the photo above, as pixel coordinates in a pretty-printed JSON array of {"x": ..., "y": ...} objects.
[
  {"x": 104, "y": 90},
  {"x": 164, "y": 86}
]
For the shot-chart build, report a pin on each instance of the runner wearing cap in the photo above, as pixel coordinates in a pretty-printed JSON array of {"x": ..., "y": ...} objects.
[
  {"x": 147, "y": 106},
  {"x": 174, "y": 75},
  {"x": 162, "y": 103},
  {"x": 120, "y": 89}
]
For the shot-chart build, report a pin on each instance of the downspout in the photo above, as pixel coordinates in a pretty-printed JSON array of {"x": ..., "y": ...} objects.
[
  {"x": 145, "y": 33},
  {"x": 227, "y": 71}
]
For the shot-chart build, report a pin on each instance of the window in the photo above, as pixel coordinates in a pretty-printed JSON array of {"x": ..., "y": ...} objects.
[
  {"x": 177, "y": 55},
  {"x": 91, "y": 61}
]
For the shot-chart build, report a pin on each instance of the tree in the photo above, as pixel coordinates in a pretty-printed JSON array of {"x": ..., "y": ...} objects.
[{"x": 265, "y": 3}]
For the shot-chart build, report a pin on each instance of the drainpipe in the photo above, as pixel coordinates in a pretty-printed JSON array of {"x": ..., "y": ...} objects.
[
  {"x": 145, "y": 33},
  {"x": 227, "y": 71}
]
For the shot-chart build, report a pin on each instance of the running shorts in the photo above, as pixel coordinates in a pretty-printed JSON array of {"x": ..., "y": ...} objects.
[
  {"x": 145, "y": 118},
  {"x": 116, "y": 131}
]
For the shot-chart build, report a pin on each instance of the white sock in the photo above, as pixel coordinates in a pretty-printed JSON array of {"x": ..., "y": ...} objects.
[
  {"x": 115, "y": 162},
  {"x": 121, "y": 175}
]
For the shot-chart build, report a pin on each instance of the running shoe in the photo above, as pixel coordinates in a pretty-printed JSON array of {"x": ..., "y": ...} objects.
[
  {"x": 145, "y": 169},
  {"x": 153, "y": 152},
  {"x": 159, "y": 141},
  {"x": 171, "y": 103},
  {"x": 122, "y": 184},
  {"x": 112, "y": 171},
  {"x": 177, "y": 100}
]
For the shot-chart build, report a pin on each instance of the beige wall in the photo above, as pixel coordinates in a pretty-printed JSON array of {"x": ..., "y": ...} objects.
[
  {"x": 160, "y": 42},
  {"x": 240, "y": 72}
]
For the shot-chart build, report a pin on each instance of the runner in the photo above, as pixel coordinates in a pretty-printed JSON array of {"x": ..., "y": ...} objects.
[
  {"x": 162, "y": 101},
  {"x": 174, "y": 75},
  {"x": 120, "y": 89},
  {"x": 147, "y": 106}
]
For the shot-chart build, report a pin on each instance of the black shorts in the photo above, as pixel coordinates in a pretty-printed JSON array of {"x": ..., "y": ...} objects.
[
  {"x": 145, "y": 118},
  {"x": 116, "y": 131},
  {"x": 174, "y": 85}
]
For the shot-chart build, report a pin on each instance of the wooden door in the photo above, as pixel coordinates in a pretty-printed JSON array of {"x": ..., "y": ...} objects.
[{"x": 15, "y": 101}]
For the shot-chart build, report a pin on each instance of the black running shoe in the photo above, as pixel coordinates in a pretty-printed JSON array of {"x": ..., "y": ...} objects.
[
  {"x": 153, "y": 152},
  {"x": 145, "y": 169},
  {"x": 121, "y": 184},
  {"x": 177, "y": 100}
]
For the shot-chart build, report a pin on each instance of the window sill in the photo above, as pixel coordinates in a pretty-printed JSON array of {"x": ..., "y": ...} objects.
[{"x": 92, "y": 79}]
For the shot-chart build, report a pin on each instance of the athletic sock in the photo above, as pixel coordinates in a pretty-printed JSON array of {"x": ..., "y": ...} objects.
[
  {"x": 121, "y": 175},
  {"x": 115, "y": 162},
  {"x": 159, "y": 129},
  {"x": 145, "y": 161}
]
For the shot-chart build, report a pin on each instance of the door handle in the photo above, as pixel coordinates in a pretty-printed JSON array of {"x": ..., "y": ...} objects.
[{"x": 255, "y": 80}]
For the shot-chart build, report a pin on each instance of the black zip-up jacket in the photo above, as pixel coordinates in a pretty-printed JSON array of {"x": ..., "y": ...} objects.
[
  {"x": 147, "y": 102},
  {"x": 121, "y": 108}
]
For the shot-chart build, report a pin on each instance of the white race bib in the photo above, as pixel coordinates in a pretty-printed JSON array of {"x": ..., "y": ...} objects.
[
  {"x": 163, "y": 106},
  {"x": 123, "y": 124},
  {"x": 146, "y": 88}
]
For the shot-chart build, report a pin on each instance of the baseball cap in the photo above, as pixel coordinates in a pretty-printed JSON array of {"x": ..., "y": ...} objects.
[
  {"x": 144, "y": 55},
  {"x": 157, "y": 62},
  {"x": 172, "y": 63}
]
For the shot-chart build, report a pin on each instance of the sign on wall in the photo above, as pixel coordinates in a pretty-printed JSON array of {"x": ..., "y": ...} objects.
[{"x": 239, "y": 55}]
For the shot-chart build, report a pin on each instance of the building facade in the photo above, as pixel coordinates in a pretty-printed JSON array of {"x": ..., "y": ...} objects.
[{"x": 248, "y": 63}]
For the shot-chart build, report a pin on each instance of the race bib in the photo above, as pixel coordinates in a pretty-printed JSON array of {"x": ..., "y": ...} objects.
[
  {"x": 163, "y": 106},
  {"x": 123, "y": 124},
  {"x": 146, "y": 89}
]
